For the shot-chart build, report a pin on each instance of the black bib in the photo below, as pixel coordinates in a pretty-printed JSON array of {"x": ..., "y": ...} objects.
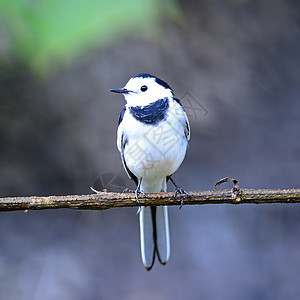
[{"x": 150, "y": 114}]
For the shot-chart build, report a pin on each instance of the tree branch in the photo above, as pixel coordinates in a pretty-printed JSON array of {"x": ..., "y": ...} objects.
[{"x": 106, "y": 200}]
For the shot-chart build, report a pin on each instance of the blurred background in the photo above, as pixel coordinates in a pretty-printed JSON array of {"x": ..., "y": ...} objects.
[{"x": 235, "y": 66}]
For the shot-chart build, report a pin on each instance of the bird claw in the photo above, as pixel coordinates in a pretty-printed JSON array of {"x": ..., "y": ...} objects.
[
  {"x": 178, "y": 189},
  {"x": 137, "y": 196},
  {"x": 182, "y": 192},
  {"x": 127, "y": 190},
  {"x": 137, "y": 191}
]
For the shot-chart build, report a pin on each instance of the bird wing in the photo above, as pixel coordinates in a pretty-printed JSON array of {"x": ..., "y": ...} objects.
[
  {"x": 187, "y": 130},
  {"x": 122, "y": 141}
]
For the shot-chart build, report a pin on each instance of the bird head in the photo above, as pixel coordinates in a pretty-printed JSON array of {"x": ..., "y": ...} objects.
[{"x": 144, "y": 89}]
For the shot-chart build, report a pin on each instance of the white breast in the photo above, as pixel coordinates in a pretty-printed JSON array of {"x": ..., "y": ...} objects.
[{"x": 154, "y": 151}]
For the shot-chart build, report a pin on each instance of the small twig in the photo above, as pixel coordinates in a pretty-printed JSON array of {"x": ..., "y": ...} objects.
[
  {"x": 236, "y": 191},
  {"x": 236, "y": 186},
  {"x": 106, "y": 200}
]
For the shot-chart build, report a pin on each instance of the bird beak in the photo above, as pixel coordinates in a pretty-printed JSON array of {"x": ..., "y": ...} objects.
[{"x": 120, "y": 91}]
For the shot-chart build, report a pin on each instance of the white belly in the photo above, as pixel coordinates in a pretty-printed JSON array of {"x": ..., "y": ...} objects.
[{"x": 155, "y": 151}]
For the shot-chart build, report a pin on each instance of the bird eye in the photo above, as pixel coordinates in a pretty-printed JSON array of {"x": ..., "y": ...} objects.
[{"x": 144, "y": 88}]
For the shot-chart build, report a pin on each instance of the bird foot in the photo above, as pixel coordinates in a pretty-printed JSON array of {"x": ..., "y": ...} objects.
[
  {"x": 179, "y": 190},
  {"x": 182, "y": 193},
  {"x": 137, "y": 192},
  {"x": 127, "y": 190}
]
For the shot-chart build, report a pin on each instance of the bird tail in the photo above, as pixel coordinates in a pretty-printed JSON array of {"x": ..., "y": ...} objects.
[{"x": 154, "y": 232}]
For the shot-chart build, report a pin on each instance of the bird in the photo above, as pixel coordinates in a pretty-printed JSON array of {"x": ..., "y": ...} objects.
[{"x": 152, "y": 138}]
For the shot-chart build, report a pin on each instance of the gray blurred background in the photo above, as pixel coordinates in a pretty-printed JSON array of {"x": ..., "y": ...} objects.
[{"x": 237, "y": 64}]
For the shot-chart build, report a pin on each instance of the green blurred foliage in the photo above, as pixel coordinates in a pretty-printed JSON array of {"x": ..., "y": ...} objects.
[{"x": 47, "y": 33}]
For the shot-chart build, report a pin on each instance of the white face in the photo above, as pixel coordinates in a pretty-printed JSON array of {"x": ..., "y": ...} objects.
[{"x": 144, "y": 91}]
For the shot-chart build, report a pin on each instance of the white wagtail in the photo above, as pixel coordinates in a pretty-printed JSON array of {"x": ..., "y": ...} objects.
[{"x": 152, "y": 138}]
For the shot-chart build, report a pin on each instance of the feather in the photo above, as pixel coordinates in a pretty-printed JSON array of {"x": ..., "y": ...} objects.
[
  {"x": 147, "y": 237},
  {"x": 154, "y": 232}
]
